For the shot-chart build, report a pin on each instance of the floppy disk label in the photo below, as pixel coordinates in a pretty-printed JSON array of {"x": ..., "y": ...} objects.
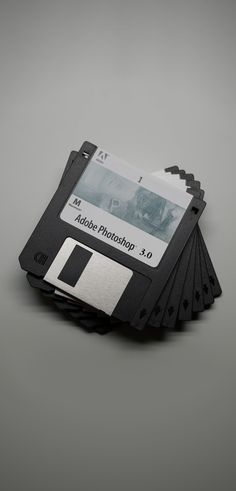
[{"x": 128, "y": 213}]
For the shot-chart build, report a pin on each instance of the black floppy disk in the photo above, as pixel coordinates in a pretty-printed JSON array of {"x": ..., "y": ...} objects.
[{"x": 109, "y": 269}]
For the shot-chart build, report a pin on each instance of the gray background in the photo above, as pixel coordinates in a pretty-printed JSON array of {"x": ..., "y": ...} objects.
[{"x": 153, "y": 82}]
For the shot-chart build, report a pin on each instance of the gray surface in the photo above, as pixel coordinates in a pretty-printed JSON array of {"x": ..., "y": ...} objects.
[{"x": 153, "y": 82}]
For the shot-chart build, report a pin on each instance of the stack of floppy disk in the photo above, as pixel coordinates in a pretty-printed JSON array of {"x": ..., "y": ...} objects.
[{"x": 119, "y": 247}]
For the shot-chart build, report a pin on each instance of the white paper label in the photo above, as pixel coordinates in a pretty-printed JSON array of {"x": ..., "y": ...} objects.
[{"x": 137, "y": 214}]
